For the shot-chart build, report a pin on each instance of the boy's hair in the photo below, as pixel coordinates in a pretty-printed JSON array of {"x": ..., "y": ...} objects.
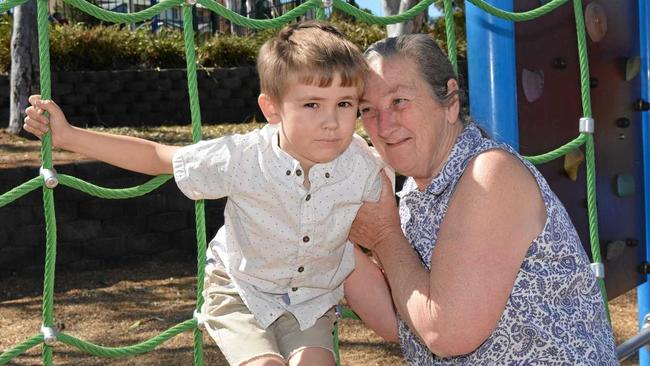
[{"x": 312, "y": 53}]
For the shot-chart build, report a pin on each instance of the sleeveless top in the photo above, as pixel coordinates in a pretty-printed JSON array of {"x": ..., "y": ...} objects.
[{"x": 555, "y": 313}]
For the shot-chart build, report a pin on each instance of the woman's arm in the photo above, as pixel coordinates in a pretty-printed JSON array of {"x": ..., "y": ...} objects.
[
  {"x": 367, "y": 293},
  {"x": 495, "y": 213}
]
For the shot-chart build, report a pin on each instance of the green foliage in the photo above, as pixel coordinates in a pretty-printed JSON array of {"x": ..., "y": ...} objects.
[
  {"x": 78, "y": 47},
  {"x": 361, "y": 33},
  {"x": 229, "y": 51},
  {"x": 440, "y": 34},
  {"x": 5, "y": 43}
]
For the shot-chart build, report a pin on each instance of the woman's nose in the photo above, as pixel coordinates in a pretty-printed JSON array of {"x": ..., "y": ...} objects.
[{"x": 386, "y": 123}]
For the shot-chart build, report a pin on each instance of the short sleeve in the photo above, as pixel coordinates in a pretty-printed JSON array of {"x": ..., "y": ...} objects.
[{"x": 206, "y": 170}]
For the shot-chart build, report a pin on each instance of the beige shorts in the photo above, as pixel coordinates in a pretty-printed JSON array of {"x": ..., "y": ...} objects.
[{"x": 241, "y": 338}]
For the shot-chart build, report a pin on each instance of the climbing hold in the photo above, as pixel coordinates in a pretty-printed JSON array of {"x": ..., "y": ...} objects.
[
  {"x": 595, "y": 21},
  {"x": 532, "y": 82},
  {"x": 572, "y": 161}
]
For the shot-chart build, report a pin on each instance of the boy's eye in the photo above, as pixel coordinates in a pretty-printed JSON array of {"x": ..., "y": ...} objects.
[
  {"x": 345, "y": 104},
  {"x": 311, "y": 105}
]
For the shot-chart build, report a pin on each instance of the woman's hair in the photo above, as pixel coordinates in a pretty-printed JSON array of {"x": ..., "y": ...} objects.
[
  {"x": 434, "y": 65},
  {"x": 312, "y": 53}
]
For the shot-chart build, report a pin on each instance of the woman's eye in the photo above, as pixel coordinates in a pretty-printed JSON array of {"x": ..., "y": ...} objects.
[{"x": 398, "y": 101}]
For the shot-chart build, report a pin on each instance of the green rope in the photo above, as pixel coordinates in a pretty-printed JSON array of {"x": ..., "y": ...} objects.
[
  {"x": 392, "y": 19},
  {"x": 559, "y": 152},
  {"x": 260, "y": 23},
  {"x": 111, "y": 193},
  {"x": 518, "y": 17},
  {"x": 9, "y": 4},
  {"x": 195, "y": 112},
  {"x": 136, "y": 349},
  {"x": 21, "y": 348},
  {"x": 190, "y": 53},
  {"x": 20, "y": 191},
  {"x": 115, "y": 17},
  {"x": 450, "y": 30},
  {"x": 592, "y": 208}
]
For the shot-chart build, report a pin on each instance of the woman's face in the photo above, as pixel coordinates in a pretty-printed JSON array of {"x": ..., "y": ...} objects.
[{"x": 410, "y": 129}]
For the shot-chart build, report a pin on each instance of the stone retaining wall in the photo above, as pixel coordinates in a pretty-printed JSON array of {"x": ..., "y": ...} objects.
[
  {"x": 98, "y": 232},
  {"x": 149, "y": 97}
]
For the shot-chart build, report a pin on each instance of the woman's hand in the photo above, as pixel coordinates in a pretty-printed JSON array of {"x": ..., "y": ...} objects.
[{"x": 375, "y": 222}]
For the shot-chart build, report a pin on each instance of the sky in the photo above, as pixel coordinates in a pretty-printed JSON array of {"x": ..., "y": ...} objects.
[{"x": 376, "y": 7}]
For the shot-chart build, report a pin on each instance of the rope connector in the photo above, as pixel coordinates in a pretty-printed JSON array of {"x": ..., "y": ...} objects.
[
  {"x": 587, "y": 125},
  {"x": 49, "y": 335},
  {"x": 190, "y": 2},
  {"x": 50, "y": 177},
  {"x": 199, "y": 320},
  {"x": 599, "y": 269},
  {"x": 327, "y": 3}
]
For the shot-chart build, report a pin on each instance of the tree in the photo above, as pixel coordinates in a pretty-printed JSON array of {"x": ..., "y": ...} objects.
[
  {"x": 24, "y": 62},
  {"x": 394, "y": 7}
]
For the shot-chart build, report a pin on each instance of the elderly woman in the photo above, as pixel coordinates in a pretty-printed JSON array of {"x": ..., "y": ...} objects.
[{"x": 484, "y": 264}]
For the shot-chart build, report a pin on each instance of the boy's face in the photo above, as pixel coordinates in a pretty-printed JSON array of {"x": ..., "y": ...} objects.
[{"x": 317, "y": 123}]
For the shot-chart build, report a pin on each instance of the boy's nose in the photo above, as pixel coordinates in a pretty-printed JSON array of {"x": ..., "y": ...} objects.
[{"x": 331, "y": 120}]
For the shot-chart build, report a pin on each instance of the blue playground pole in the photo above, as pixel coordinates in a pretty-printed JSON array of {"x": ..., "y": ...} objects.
[
  {"x": 643, "y": 291},
  {"x": 491, "y": 72}
]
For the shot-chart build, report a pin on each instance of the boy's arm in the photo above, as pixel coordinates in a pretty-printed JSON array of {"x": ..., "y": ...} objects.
[{"x": 126, "y": 152}]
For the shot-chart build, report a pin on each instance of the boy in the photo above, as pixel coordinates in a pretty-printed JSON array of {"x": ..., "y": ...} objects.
[{"x": 276, "y": 268}]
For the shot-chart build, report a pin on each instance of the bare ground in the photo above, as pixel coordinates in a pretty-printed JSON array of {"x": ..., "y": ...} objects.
[{"x": 123, "y": 306}]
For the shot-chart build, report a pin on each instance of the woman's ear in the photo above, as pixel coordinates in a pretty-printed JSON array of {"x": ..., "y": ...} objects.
[
  {"x": 454, "y": 104},
  {"x": 269, "y": 108}
]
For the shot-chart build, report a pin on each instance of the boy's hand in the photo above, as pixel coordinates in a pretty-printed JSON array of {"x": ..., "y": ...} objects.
[{"x": 38, "y": 124}]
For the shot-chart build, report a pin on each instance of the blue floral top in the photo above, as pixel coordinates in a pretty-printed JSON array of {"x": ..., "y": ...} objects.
[{"x": 555, "y": 313}]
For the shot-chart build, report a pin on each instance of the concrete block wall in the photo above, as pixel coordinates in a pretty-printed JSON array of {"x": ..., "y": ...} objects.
[
  {"x": 94, "y": 232},
  {"x": 149, "y": 97}
]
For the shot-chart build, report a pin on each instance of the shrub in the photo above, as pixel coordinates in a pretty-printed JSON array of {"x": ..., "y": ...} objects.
[{"x": 229, "y": 51}]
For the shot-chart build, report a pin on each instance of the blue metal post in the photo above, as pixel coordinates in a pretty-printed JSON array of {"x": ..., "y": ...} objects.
[
  {"x": 643, "y": 291},
  {"x": 491, "y": 72}
]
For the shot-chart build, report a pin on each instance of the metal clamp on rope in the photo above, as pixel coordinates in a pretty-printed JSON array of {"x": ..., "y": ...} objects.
[
  {"x": 199, "y": 320},
  {"x": 50, "y": 177},
  {"x": 49, "y": 335},
  {"x": 599, "y": 269},
  {"x": 327, "y": 3},
  {"x": 190, "y": 2},
  {"x": 586, "y": 125}
]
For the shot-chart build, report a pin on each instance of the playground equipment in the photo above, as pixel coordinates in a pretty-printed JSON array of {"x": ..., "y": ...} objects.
[{"x": 547, "y": 110}]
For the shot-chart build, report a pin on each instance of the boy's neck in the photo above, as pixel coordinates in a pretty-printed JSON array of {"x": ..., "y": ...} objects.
[{"x": 306, "y": 166}]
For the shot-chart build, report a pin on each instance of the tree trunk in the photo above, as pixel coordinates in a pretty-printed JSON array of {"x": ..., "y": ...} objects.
[
  {"x": 24, "y": 62},
  {"x": 394, "y": 7}
]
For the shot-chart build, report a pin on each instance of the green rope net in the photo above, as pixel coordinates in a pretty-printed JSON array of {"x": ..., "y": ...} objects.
[{"x": 48, "y": 336}]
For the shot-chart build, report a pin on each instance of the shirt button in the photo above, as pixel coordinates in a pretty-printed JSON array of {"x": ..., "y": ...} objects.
[
  {"x": 298, "y": 172},
  {"x": 288, "y": 172},
  {"x": 308, "y": 197},
  {"x": 294, "y": 289},
  {"x": 327, "y": 175},
  {"x": 301, "y": 268},
  {"x": 305, "y": 239}
]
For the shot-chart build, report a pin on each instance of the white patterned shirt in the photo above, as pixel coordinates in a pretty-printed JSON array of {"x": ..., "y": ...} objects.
[{"x": 284, "y": 246}]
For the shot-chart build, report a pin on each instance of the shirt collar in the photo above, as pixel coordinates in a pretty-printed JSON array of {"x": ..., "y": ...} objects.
[
  {"x": 318, "y": 174},
  {"x": 466, "y": 143}
]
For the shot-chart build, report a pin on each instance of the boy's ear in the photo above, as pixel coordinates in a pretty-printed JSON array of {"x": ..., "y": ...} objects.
[{"x": 269, "y": 109}]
